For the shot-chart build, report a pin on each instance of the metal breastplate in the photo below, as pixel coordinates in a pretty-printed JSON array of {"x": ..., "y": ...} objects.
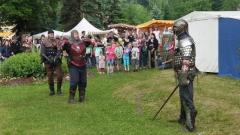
[{"x": 185, "y": 52}]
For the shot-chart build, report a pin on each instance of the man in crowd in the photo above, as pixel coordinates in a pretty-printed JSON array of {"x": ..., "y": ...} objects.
[
  {"x": 51, "y": 56},
  {"x": 27, "y": 46},
  {"x": 112, "y": 37},
  {"x": 15, "y": 46},
  {"x": 130, "y": 36},
  {"x": 83, "y": 34},
  {"x": 165, "y": 64},
  {"x": 23, "y": 42},
  {"x": 104, "y": 40}
]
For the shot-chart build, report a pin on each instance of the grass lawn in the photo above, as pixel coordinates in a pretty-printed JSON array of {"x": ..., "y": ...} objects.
[{"x": 121, "y": 104}]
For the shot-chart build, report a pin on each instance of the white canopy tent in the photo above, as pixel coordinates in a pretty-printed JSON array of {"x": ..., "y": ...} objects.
[
  {"x": 204, "y": 28},
  {"x": 46, "y": 34},
  {"x": 84, "y": 25}
]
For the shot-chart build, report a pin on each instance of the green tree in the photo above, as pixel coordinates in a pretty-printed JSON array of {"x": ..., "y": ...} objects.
[
  {"x": 34, "y": 16},
  {"x": 180, "y": 8},
  {"x": 230, "y": 5},
  {"x": 217, "y": 5},
  {"x": 134, "y": 14},
  {"x": 98, "y": 12},
  {"x": 156, "y": 13}
]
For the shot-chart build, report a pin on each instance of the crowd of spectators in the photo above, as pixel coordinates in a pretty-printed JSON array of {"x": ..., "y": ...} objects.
[{"x": 127, "y": 48}]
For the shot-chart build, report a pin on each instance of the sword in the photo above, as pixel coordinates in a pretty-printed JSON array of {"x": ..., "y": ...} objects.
[{"x": 165, "y": 102}]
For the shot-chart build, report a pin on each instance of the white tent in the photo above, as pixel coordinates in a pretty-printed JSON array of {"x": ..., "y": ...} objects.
[
  {"x": 46, "y": 34},
  {"x": 84, "y": 25},
  {"x": 207, "y": 29}
]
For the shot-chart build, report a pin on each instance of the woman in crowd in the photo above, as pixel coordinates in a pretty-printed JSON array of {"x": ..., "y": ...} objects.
[
  {"x": 158, "y": 36},
  {"x": 135, "y": 38},
  {"x": 144, "y": 54},
  {"x": 152, "y": 45},
  {"x": 120, "y": 40},
  {"x": 6, "y": 50},
  {"x": 126, "y": 41},
  {"x": 140, "y": 38},
  {"x": 36, "y": 45},
  {"x": 150, "y": 31}
]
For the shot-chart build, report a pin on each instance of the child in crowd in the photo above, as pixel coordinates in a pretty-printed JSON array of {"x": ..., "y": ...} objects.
[
  {"x": 89, "y": 56},
  {"x": 144, "y": 54},
  {"x": 126, "y": 53},
  {"x": 135, "y": 57},
  {"x": 98, "y": 49},
  {"x": 101, "y": 63},
  {"x": 118, "y": 52},
  {"x": 114, "y": 46},
  {"x": 110, "y": 57},
  {"x": 140, "y": 52}
]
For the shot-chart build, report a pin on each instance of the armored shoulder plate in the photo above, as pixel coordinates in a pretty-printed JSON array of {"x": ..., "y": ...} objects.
[{"x": 185, "y": 42}]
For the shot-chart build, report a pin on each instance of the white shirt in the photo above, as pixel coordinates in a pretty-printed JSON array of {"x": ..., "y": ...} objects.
[
  {"x": 157, "y": 35},
  {"x": 135, "y": 52}
]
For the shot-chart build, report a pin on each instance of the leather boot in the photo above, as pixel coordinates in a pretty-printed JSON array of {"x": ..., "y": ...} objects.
[
  {"x": 190, "y": 119},
  {"x": 59, "y": 91},
  {"x": 52, "y": 92},
  {"x": 182, "y": 118},
  {"x": 82, "y": 96},
  {"x": 71, "y": 96}
]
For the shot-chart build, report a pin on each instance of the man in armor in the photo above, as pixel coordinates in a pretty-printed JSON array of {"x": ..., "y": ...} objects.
[
  {"x": 75, "y": 54},
  {"x": 51, "y": 56},
  {"x": 184, "y": 65}
]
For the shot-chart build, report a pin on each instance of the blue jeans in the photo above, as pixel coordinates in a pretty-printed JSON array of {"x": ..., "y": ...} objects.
[
  {"x": 93, "y": 61},
  {"x": 89, "y": 62},
  {"x": 160, "y": 65},
  {"x": 110, "y": 62}
]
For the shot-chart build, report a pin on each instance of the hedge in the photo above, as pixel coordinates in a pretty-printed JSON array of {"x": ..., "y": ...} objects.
[{"x": 26, "y": 65}]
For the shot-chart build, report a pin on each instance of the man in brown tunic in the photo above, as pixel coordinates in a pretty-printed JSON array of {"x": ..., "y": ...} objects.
[{"x": 51, "y": 57}]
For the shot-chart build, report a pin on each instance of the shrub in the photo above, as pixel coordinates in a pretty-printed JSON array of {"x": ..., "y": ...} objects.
[{"x": 26, "y": 65}]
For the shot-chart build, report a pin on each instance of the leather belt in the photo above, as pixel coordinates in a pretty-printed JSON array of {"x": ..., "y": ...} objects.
[{"x": 81, "y": 57}]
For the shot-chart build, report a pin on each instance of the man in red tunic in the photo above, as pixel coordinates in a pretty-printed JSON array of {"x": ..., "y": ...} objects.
[{"x": 76, "y": 50}]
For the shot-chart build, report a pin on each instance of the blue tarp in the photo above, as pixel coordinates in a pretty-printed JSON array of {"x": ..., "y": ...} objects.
[{"x": 229, "y": 44}]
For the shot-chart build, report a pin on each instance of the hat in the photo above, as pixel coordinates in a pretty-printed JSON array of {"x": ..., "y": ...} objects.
[{"x": 50, "y": 31}]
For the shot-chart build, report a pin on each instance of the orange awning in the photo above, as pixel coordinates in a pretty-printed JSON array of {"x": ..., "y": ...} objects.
[
  {"x": 159, "y": 23},
  {"x": 5, "y": 34}
]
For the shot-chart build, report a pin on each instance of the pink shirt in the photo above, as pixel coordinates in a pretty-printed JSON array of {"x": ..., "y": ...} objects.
[
  {"x": 110, "y": 53},
  {"x": 114, "y": 46}
]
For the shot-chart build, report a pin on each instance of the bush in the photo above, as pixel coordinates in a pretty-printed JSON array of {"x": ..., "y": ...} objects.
[{"x": 26, "y": 65}]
